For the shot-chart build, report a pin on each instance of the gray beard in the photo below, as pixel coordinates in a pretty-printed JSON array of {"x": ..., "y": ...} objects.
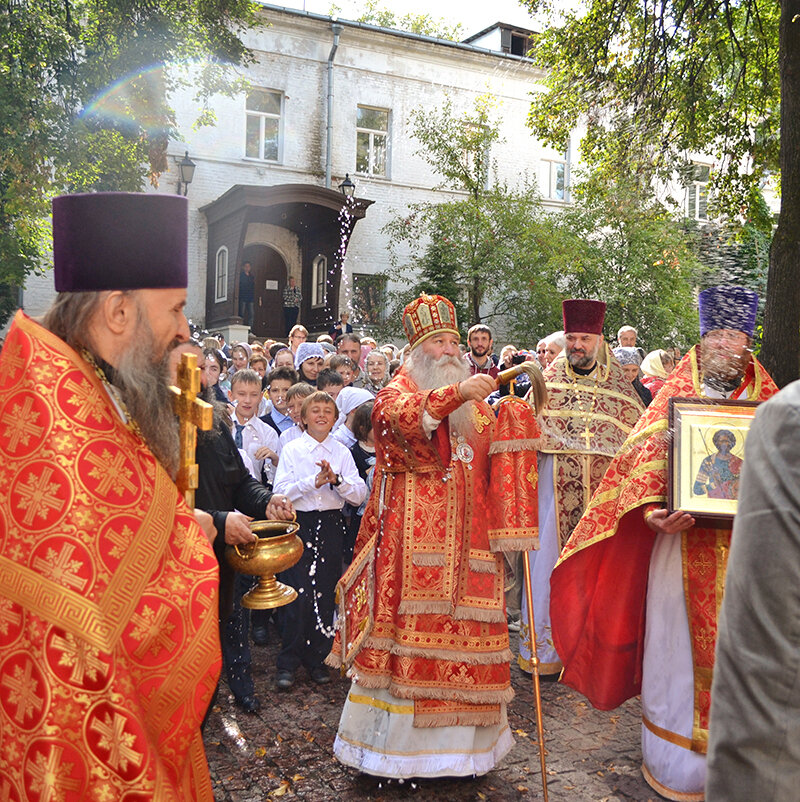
[
  {"x": 143, "y": 385},
  {"x": 432, "y": 374}
]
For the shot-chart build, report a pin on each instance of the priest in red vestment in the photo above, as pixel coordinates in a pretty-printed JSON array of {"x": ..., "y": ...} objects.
[
  {"x": 423, "y": 625},
  {"x": 109, "y": 647},
  {"x": 636, "y": 592}
]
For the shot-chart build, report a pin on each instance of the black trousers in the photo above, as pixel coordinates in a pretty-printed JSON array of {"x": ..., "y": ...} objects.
[
  {"x": 290, "y": 314},
  {"x": 307, "y": 623},
  {"x": 235, "y": 640}
]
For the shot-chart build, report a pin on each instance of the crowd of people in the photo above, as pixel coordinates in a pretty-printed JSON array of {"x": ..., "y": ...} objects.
[{"x": 418, "y": 477}]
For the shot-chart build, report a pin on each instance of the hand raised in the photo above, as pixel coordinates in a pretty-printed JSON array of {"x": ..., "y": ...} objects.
[{"x": 477, "y": 387}]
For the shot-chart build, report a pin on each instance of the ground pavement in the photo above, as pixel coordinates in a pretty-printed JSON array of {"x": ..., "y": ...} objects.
[{"x": 286, "y": 751}]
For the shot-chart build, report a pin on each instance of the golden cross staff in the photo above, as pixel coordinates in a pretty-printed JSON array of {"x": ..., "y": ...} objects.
[{"x": 194, "y": 414}]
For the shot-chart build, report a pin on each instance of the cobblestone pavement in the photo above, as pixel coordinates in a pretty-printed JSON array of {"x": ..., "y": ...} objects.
[{"x": 286, "y": 751}]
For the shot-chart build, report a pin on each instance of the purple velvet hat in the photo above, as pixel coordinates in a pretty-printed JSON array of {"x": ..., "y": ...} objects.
[
  {"x": 728, "y": 308},
  {"x": 583, "y": 315},
  {"x": 119, "y": 241}
]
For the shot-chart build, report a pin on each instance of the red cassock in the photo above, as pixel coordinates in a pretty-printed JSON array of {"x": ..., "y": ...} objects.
[{"x": 109, "y": 645}]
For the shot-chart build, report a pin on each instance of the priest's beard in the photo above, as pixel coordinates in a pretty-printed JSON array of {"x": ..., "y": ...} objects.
[
  {"x": 723, "y": 368},
  {"x": 429, "y": 373},
  {"x": 142, "y": 378}
]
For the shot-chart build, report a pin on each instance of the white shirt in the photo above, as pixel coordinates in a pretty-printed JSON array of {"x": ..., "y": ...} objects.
[
  {"x": 298, "y": 469},
  {"x": 344, "y": 436},
  {"x": 292, "y": 433},
  {"x": 256, "y": 434}
]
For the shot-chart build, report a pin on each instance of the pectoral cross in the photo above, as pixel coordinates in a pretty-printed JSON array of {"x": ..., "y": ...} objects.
[
  {"x": 194, "y": 414},
  {"x": 587, "y": 436}
]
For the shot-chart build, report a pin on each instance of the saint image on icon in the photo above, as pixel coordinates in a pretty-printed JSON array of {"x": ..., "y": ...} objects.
[{"x": 718, "y": 476}]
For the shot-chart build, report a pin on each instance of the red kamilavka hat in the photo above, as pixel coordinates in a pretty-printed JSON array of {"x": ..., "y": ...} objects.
[{"x": 583, "y": 315}]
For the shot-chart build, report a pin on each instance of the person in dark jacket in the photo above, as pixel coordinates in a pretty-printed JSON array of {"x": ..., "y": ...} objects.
[{"x": 228, "y": 492}]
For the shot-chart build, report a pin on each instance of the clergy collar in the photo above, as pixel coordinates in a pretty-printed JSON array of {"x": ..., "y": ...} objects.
[{"x": 584, "y": 371}]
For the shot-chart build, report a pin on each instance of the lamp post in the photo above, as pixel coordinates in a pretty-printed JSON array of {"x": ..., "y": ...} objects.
[
  {"x": 347, "y": 187},
  {"x": 185, "y": 173}
]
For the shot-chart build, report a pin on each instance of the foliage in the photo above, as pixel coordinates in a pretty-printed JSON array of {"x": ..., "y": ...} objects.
[
  {"x": 55, "y": 58},
  {"x": 656, "y": 81},
  {"x": 616, "y": 246},
  {"x": 423, "y": 24},
  {"x": 491, "y": 247}
]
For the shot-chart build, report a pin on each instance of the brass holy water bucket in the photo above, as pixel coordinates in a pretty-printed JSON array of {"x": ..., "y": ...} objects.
[{"x": 266, "y": 557}]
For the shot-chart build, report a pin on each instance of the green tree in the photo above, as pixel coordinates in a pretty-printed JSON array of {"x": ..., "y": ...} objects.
[
  {"x": 55, "y": 58},
  {"x": 614, "y": 245},
  {"x": 492, "y": 247},
  {"x": 654, "y": 82}
]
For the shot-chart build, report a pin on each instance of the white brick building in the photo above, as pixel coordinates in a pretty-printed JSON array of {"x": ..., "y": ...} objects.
[
  {"x": 259, "y": 190},
  {"x": 246, "y": 198}
]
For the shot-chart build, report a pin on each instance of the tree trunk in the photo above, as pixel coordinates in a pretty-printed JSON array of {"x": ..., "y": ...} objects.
[{"x": 781, "y": 349}]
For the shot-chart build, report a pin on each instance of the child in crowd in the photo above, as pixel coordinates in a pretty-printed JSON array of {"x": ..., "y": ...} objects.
[
  {"x": 251, "y": 435},
  {"x": 363, "y": 452},
  {"x": 278, "y": 383},
  {"x": 348, "y": 401},
  {"x": 295, "y": 396},
  {"x": 240, "y": 356},
  {"x": 344, "y": 365},
  {"x": 330, "y": 381},
  {"x": 319, "y": 475}
]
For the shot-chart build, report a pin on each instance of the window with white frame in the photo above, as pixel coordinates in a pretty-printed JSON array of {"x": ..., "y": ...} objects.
[
  {"x": 697, "y": 193},
  {"x": 263, "y": 124},
  {"x": 554, "y": 178},
  {"x": 319, "y": 281},
  {"x": 372, "y": 141},
  {"x": 221, "y": 276}
]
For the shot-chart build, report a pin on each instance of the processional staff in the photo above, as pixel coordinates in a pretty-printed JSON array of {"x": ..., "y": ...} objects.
[
  {"x": 538, "y": 395},
  {"x": 194, "y": 414}
]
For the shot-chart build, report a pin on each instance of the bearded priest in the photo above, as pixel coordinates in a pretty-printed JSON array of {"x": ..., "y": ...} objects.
[
  {"x": 109, "y": 652},
  {"x": 422, "y": 624},
  {"x": 636, "y": 592}
]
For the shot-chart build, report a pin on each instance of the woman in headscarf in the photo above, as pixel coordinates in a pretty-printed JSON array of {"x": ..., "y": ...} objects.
[
  {"x": 377, "y": 368},
  {"x": 630, "y": 358},
  {"x": 308, "y": 362},
  {"x": 656, "y": 366}
]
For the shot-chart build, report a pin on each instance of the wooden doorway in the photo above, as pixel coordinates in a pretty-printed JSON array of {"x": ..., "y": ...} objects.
[{"x": 269, "y": 269}]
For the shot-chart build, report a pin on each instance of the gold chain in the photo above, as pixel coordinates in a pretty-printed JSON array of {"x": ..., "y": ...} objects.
[{"x": 130, "y": 422}]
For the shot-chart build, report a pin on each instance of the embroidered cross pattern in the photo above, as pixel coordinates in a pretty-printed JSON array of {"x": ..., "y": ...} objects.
[
  {"x": 85, "y": 399},
  {"x": 22, "y": 425},
  {"x": 23, "y": 691},
  {"x": 118, "y": 742},
  {"x": 80, "y": 657},
  {"x": 39, "y": 496},
  {"x": 152, "y": 630},
  {"x": 60, "y": 567},
  {"x": 110, "y": 472},
  {"x": 50, "y": 775}
]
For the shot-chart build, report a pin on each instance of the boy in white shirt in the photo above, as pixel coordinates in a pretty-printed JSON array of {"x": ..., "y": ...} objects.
[
  {"x": 295, "y": 397},
  {"x": 251, "y": 435},
  {"x": 318, "y": 475}
]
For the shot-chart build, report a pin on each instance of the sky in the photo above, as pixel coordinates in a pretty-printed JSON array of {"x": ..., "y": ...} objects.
[{"x": 474, "y": 15}]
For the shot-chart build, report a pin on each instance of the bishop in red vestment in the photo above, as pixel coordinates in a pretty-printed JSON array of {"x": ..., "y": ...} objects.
[{"x": 423, "y": 625}]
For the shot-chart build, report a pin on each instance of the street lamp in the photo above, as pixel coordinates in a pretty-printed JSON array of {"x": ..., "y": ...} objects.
[
  {"x": 185, "y": 173},
  {"x": 348, "y": 187}
]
